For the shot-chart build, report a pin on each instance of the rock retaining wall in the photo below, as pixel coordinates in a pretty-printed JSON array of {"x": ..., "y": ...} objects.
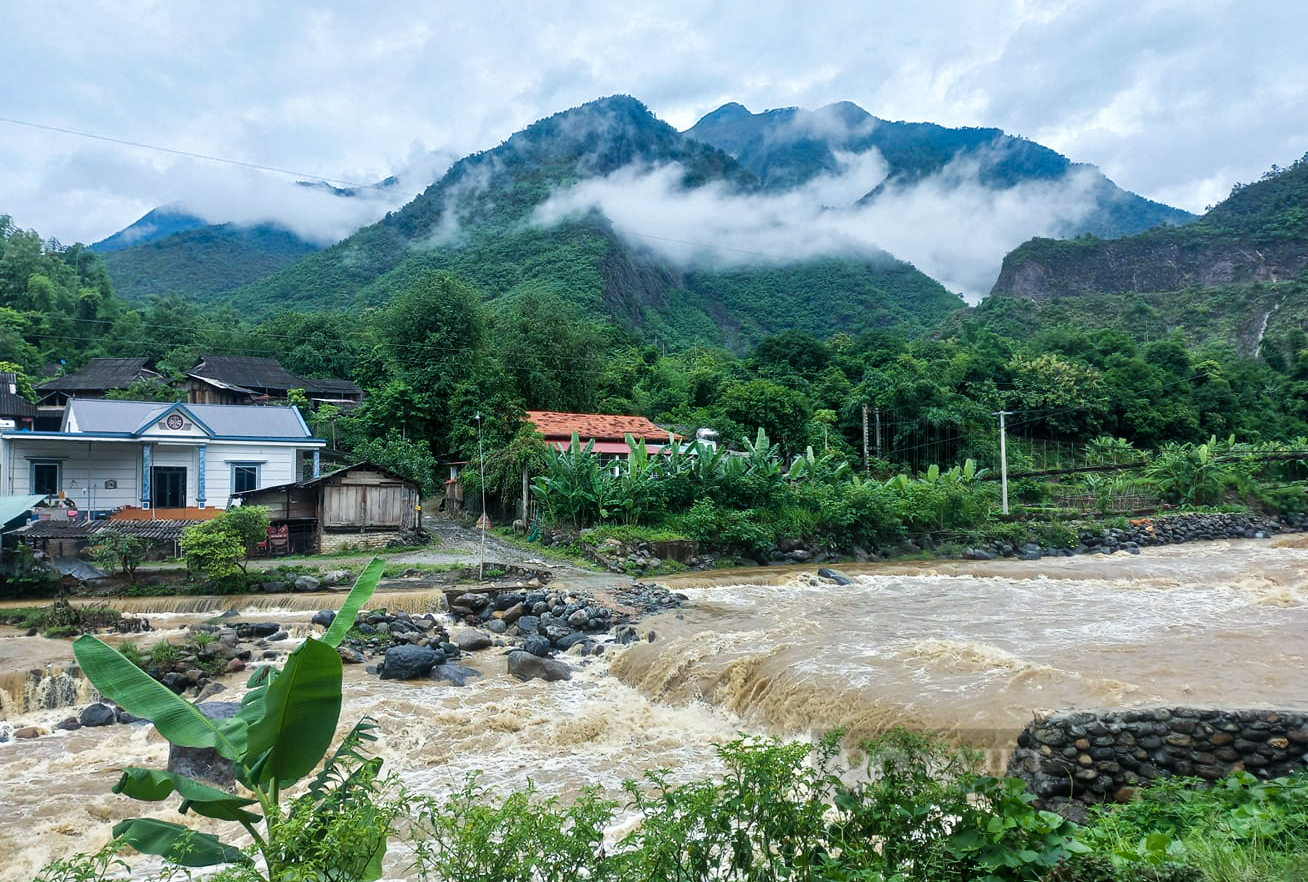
[{"x": 1091, "y": 757}]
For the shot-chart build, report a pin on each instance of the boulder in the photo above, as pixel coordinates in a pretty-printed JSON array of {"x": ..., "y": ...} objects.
[
  {"x": 409, "y": 662},
  {"x": 324, "y": 618},
  {"x": 834, "y": 576},
  {"x": 537, "y": 646},
  {"x": 526, "y": 666},
  {"x": 98, "y": 714},
  {"x": 455, "y": 675},
  {"x": 255, "y": 630},
  {"x": 205, "y": 763},
  {"x": 337, "y": 577},
  {"x": 307, "y": 583},
  {"x": 470, "y": 640}
]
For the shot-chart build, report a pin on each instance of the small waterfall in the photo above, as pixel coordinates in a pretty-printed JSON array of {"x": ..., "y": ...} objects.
[{"x": 48, "y": 689}]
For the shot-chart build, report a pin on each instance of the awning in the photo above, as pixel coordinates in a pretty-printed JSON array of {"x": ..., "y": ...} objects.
[
  {"x": 619, "y": 448},
  {"x": 14, "y": 507}
]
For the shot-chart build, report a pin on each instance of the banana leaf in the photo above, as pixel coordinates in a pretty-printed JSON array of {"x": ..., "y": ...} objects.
[
  {"x": 358, "y": 596},
  {"x": 150, "y": 785},
  {"x": 138, "y": 693},
  {"x": 300, "y": 712},
  {"x": 177, "y": 843}
]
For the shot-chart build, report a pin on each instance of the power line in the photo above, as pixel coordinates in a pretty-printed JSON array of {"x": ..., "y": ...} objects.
[{"x": 204, "y": 156}]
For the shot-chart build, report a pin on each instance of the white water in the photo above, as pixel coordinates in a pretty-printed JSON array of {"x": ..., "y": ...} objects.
[{"x": 972, "y": 650}]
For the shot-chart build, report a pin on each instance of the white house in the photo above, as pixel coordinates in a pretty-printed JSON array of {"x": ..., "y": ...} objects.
[{"x": 109, "y": 455}]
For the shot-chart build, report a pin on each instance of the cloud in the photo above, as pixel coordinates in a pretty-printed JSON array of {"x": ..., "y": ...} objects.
[
  {"x": 1174, "y": 100},
  {"x": 949, "y": 225}
]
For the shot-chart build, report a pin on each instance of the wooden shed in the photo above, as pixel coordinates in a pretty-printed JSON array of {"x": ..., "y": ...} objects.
[{"x": 361, "y": 505}]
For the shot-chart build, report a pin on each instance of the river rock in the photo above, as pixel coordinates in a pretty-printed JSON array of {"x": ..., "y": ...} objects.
[
  {"x": 205, "y": 763},
  {"x": 456, "y": 675},
  {"x": 409, "y": 662},
  {"x": 469, "y": 640},
  {"x": 98, "y": 714},
  {"x": 537, "y": 645},
  {"x": 526, "y": 666},
  {"x": 834, "y": 576},
  {"x": 306, "y": 583},
  {"x": 256, "y": 630}
]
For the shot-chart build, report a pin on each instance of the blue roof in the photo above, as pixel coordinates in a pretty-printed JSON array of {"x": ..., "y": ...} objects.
[{"x": 100, "y": 416}]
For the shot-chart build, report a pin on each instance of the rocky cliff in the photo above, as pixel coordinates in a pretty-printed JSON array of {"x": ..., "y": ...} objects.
[{"x": 1043, "y": 269}]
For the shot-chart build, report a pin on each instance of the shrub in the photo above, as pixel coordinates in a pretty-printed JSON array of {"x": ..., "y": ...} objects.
[
  {"x": 219, "y": 548},
  {"x": 113, "y": 549}
]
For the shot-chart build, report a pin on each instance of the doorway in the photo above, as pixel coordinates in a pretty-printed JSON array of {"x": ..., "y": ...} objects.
[{"x": 168, "y": 486}]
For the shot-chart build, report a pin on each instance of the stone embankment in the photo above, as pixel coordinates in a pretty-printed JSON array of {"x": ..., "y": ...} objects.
[
  {"x": 1077, "y": 759},
  {"x": 1145, "y": 532}
]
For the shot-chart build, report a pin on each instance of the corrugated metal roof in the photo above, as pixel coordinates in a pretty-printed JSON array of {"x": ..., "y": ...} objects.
[
  {"x": 84, "y": 529},
  {"x": 246, "y": 371},
  {"x": 14, "y": 507},
  {"x": 100, "y": 374},
  {"x": 556, "y": 425},
  {"x": 327, "y": 476},
  {"x": 223, "y": 420}
]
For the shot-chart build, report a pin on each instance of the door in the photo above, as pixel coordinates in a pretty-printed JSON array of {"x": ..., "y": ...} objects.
[{"x": 168, "y": 487}]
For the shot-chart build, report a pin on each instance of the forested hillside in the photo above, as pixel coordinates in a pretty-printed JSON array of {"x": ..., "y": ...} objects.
[
  {"x": 1235, "y": 277},
  {"x": 204, "y": 261},
  {"x": 477, "y": 222},
  {"x": 788, "y": 147}
]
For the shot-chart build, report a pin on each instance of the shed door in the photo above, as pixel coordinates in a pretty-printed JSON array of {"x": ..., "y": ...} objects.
[
  {"x": 343, "y": 507},
  {"x": 363, "y": 506}
]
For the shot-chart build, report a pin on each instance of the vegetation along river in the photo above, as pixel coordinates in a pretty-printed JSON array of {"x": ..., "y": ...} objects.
[{"x": 972, "y": 649}]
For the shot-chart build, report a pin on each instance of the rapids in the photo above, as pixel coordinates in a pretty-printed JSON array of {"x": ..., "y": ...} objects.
[{"x": 970, "y": 649}]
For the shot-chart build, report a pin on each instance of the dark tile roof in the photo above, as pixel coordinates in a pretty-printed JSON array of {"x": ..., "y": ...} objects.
[
  {"x": 100, "y": 374},
  {"x": 13, "y": 405},
  {"x": 329, "y": 388},
  {"x": 246, "y": 371}
]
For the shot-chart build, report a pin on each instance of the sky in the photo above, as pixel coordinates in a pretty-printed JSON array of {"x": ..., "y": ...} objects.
[{"x": 1176, "y": 101}]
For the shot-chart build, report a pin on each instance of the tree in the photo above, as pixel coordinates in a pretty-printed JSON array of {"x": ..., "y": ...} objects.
[
  {"x": 219, "y": 548},
  {"x": 113, "y": 548},
  {"x": 782, "y": 413}
]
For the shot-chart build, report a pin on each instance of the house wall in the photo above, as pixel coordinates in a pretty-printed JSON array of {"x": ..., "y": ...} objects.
[
  {"x": 86, "y": 471},
  {"x": 107, "y": 474}
]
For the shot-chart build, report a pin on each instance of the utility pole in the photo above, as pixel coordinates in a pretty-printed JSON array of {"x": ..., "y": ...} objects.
[
  {"x": 877, "y": 412},
  {"x": 867, "y": 465},
  {"x": 1003, "y": 457}
]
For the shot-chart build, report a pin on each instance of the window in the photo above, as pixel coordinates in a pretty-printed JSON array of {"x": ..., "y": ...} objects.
[
  {"x": 245, "y": 476},
  {"x": 45, "y": 478}
]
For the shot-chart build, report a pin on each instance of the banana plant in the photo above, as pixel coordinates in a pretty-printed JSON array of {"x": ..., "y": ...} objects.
[{"x": 280, "y": 734}]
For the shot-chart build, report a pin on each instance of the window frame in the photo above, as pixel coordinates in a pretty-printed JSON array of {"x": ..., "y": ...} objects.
[
  {"x": 58, "y": 467},
  {"x": 236, "y": 467}
]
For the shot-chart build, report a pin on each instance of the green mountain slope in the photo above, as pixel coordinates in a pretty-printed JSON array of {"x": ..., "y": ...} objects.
[
  {"x": 1234, "y": 277},
  {"x": 205, "y": 261},
  {"x": 789, "y": 147},
  {"x": 477, "y": 222}
]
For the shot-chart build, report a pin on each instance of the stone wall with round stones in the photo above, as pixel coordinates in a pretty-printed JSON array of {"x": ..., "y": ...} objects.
[{"x": 1091, "y": 757}]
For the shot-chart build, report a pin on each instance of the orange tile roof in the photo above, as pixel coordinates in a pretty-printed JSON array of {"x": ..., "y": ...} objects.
[{"x": 600, "y": 426}]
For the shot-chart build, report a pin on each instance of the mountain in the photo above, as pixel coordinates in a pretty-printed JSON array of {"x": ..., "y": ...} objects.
[
  {"x": 482, "y": 220},
  {"x": 789, "y": 147},
  {"x": 197, "y": 261},
  {"x": 151, "y": 227},
  {"x": 1235, "y": 277}
]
